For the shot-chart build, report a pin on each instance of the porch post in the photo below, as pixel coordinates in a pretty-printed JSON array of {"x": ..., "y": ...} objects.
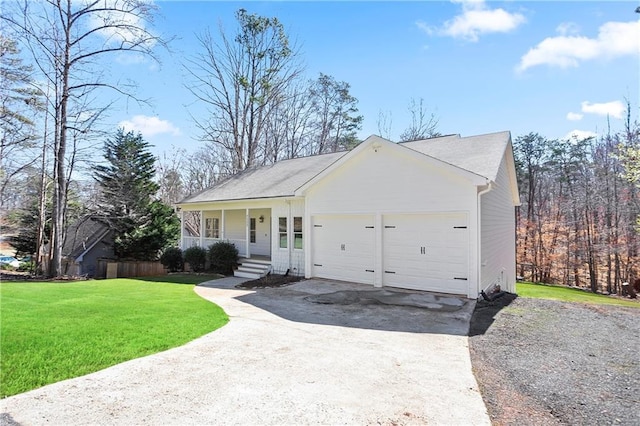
[
  {"x": 222, "y": 225},
  {"x": 246, "y": 233},
  {"x": 201, "y": 228},
  {"x": 181, "y": 229}
]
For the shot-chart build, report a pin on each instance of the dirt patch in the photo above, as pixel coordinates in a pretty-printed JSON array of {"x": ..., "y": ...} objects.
[
  {"x": 387, "y": 297},
  {"x": 270, "y": 281},
  {"x": 547, "y": 362}
]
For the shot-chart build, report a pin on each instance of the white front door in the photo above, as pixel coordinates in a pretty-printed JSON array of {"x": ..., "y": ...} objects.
[{"x": 260, "y": 232}]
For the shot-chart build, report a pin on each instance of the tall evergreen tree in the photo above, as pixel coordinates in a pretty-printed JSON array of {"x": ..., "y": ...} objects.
[{"x": 143, "y": 226}]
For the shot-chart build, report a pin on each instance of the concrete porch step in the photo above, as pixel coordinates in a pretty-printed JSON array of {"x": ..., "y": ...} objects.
[
  {"x": 243, "y": 268},
  {"x": 253, "y": 268},
  {"x": 257, "y": 261},
  {"x": 251, "y": 275}
]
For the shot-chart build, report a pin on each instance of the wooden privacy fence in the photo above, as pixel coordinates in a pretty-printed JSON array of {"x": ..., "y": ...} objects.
[{"x": 129, "y": 269}]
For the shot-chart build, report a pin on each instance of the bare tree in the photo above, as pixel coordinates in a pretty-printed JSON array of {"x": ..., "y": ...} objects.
[
  {"x": 242, "y": 81},
  {"x": 168, "y": 173},
  {"x": 334, "y": 109},
  {"x": 385, "y": 122},
  {"x": 71, "y": 42},
  {"x": 19, "y": 104},
  {"x": 289, "y": 131},
  {"x": 423, "y": 124}
]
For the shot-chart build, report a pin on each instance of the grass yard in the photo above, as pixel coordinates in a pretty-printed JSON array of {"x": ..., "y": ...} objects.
[
  {"x": 566, "y": 294},
  {"x": 51, "y": 331}
]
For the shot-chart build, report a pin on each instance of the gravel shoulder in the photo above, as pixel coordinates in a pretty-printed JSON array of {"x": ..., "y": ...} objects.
[{"x": 547, "y": 362}]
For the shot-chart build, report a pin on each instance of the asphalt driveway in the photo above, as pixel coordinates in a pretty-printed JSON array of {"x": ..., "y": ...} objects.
[{"x": 291, "y": 355}]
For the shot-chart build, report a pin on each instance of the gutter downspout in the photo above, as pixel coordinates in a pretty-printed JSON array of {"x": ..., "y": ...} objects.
[{"x": 479, "y": 232}]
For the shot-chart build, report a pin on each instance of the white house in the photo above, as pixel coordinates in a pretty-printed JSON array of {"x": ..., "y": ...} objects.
[{"x": 435, "y": 214}]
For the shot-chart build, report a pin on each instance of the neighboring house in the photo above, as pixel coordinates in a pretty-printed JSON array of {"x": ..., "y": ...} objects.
[
  {"x": 87, "y": 240},
  {"x": 435, "y": 214}
]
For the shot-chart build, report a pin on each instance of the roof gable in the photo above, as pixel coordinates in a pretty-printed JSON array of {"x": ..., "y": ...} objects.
[{"x": 376, "y": 142}]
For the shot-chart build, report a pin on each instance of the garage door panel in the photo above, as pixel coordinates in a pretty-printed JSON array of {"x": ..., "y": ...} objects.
[
  {"x": 343, "y": 247},
  {"x": 426, "y": 251}
]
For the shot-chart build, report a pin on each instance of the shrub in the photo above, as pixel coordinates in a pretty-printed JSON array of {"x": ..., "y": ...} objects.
[
  {"x": 172, "y": 259},
  {"x": 223, "y": 257},
  {"x": 196, "y": 257}
]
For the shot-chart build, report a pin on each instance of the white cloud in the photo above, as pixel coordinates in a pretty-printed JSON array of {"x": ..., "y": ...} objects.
[
  {"x": 121, "y": 26},
  {"x": 149, "y": 126},
  {"x": 477, "y": 19},
  {"x": 568, "y": 28},
  {"x": 578, "y": 135},
  {"x": 614, "y": 39},
  {"x": 574, "y": 116},
  {"x": 614, "y": 109}
]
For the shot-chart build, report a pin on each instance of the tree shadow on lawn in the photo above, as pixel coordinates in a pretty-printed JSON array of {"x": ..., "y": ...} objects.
[{"x": 485, "y": 313}]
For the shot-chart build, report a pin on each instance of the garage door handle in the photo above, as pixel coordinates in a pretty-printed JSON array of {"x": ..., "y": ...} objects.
[
  {"x": 459, "y": 227},
  {"x": 389, "y": 226},
  {"x": 389, "y": 272},
  {"x": 369, "y": 270},
  {"x": 459, "y": 278},
  {"x": 317, "y": 264}
]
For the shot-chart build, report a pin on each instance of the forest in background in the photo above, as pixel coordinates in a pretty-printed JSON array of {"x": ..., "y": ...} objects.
[{"x": 578, "y": 222}]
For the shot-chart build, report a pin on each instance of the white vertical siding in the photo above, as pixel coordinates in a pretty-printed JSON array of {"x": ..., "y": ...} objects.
[
  {"x": 289, "y": 258},
  {"x": 498, "y": 244},
  {"x": 386, "y": 181}
]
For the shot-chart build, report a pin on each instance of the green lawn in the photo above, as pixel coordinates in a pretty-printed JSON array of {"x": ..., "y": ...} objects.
[
  {"x": 51, "y": 331},
  {"x": 566, "y": 294}
]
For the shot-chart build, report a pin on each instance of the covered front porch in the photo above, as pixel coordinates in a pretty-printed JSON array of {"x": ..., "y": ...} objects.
[{"x": 249, "y": 230}]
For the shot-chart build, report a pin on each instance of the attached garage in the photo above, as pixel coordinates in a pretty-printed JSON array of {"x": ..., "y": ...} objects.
[
  {"x": 419, "y": 251},
  {"x": 344, "y": 247},
  {"x": 426, "y": 252}
]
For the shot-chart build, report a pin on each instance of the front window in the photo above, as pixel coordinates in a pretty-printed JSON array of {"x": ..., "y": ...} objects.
[
  {"x": 297, "y": 233},
  {"x": 282, "y": 228},
  {"x": 252, "y": 230},
  {"x": 212, "y": 227}
]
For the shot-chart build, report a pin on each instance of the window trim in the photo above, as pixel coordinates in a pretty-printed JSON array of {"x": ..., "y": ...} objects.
[
  {"x": 298, "y": 233},
  {"x": 252, "y": 230},
  {"x": 282, "y": 233},
  {"x": 212, "y": 227}
]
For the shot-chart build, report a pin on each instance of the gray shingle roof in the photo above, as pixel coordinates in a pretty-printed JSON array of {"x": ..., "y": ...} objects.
[
  {"x": 276, "y": 180},
  {"x": 478, "y": 154},
  {"x": 81, "y": 235}
]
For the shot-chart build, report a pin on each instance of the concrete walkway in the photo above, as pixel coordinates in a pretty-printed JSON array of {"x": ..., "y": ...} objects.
[{"x": 283, "y": 359}]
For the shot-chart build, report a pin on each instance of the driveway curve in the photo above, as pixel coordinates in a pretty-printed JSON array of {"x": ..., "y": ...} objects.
[{"x": 283, "y": 360}]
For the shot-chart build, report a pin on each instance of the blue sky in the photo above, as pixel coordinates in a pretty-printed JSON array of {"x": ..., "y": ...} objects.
[{"x": 546, "y": 67}]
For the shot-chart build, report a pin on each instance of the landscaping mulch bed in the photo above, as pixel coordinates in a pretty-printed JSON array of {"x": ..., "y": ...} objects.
[
  {"x": 547, "y": 362},
  {"x": 271, "y": 280}
]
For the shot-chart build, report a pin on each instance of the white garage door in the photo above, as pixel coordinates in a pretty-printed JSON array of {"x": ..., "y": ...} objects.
[
  {"x": 426, "y": 252},
  {"x": 343, "y": 247}
]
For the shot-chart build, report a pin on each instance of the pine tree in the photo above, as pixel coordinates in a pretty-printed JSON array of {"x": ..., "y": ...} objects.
[{"x": 143, "y": 226}]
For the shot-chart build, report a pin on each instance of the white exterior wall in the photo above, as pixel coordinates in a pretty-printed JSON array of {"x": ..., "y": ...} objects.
[
  {"x": 289, "y": 258},
  {"x": 498, "y": 241},
  {"x": 391, "y": 181}
]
